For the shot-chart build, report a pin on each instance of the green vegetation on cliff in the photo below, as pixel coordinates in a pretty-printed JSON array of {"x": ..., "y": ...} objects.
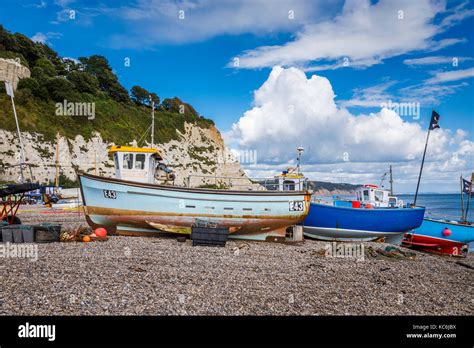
[{"x": 119, "y": 117}]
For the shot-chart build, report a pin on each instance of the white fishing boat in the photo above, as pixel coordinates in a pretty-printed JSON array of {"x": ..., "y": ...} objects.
[{"x": 132, "y": 203}]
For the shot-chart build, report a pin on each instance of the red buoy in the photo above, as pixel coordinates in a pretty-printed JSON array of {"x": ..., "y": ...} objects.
[
  {"x": 100, "y": 232},
  {"x": 446, "y": 232}
]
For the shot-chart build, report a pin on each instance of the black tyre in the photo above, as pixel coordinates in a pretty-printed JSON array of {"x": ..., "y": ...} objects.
[{"x": 16, "y": 220}]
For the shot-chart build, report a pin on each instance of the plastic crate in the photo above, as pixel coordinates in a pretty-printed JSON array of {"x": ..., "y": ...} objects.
[
  {"x": 2, "y": 224},
  {"x": 209, "y": 236},
  {"x": 17, "y": 234},
  {"x": 7, "y": 235},
  {"x": 47, "y": 232}
]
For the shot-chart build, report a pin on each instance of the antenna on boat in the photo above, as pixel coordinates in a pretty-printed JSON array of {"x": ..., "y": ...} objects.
[
  {"x": 300, "y": 150},
  {"x": 152, "y": 121}
]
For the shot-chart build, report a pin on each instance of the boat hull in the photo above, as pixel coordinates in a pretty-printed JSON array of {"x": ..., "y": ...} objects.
[
  {"x": 338, "y": 223},
  {"x": 142, "y": 209},
  {"x": 430, "y": 237}
]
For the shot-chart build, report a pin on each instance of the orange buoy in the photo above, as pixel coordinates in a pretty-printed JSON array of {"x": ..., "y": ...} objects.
[
  {"x": 369, "y": 206},
  {"x": 100, "y": 232},
  {"x": 86, "y": 239}
]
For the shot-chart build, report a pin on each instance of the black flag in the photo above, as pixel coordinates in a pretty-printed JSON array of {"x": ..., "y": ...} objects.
[
  {"x": 466, "y": 186},
  {"x": 434, "y": 120}
]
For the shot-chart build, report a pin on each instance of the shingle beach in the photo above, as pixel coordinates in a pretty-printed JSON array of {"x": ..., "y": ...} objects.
[{"x": 161, "y": 276}]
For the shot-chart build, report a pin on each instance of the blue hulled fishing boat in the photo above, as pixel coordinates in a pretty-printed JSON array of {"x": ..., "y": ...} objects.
[
  {"x": 442, "y": 236},
  {"x": 374, "y": 214}
]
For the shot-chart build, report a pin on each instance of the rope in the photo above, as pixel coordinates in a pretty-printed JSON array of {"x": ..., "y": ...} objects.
[{"x": 144, "y": 135}]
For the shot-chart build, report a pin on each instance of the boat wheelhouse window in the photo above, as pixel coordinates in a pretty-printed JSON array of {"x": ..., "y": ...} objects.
[
  {"x": 116, "y": 161},
  {"x": 366, "y": 195},
  {"x": 378, "y": 196},
  {"x": 140, "y": 161},
  {"x": 288, "y": 185},
  {"x": 128, "y": 161}
]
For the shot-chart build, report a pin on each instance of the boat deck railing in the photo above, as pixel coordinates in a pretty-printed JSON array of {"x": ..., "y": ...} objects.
[{"x": 239, "y": 182}]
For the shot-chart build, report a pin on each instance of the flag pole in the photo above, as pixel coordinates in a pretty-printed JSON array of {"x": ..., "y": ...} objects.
[
  {"x": 462, "y": 199},
  {"x": 469, "y": 197},
  {"x": 9, "y": 89},
  {"x": 421, "y": 168}
]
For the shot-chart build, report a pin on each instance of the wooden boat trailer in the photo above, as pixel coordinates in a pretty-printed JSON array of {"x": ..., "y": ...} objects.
[{"x": 10, "y": 200}]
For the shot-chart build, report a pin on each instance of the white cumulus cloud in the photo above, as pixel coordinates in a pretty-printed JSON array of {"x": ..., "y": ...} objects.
[{"x": 290, "y": 109}]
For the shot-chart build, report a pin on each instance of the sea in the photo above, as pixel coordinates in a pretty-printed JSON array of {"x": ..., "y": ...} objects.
[{"x": 447, "y": 206}]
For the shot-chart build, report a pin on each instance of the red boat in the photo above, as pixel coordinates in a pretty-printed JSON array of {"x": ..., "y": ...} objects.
[{"x": 441, "y": 237}]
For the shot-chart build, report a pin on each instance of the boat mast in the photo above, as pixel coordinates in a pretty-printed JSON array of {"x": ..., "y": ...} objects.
[
  {"x": 469, "y": 197},
  {"x": 391, "y": 181},
  {"x": 152, "y": 121},
  {"x": 56, "y": 182},
  {"x": 462, "y": 199}
]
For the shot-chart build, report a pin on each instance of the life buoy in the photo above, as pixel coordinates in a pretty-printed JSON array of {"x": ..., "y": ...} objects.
[{"x": 371, "y": 185}]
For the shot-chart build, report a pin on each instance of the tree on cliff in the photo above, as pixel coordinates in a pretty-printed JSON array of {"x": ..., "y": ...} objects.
[
  {"x": 142, "y": 97},
  {"x": 176, "y": 105},
  {"x": 155, "y": 98},
  {"x": 84, "y": 83},
  {"x": 139, "y": 95},
  {"x": 99, "y": 67},
  {"x": 55, "y": 79}
]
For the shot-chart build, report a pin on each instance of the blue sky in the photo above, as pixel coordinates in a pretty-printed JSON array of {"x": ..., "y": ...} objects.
[{"x": 398, "y": 51}]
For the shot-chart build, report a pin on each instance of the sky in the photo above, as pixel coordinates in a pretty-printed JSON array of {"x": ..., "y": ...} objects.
[{"x": 354, "y": 82}]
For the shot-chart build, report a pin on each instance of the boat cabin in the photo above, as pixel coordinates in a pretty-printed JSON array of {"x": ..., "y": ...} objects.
[
  {"x": 289, "y": 180},
  {"x": 376, "y": 196},
  {"x": 137, "y": 163}
]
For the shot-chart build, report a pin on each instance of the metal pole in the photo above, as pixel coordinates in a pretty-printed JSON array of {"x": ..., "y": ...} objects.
[
  {"x": 391, "y": 181},
  {"x": 462, "y": 199},
  {"x": 57, "y": 161},
  {"x": 22, "y": 154},
  {"x": 421, "y": 169},
  {"x": 152, "y": 122},
  {"x": 469, "y": 197}
]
